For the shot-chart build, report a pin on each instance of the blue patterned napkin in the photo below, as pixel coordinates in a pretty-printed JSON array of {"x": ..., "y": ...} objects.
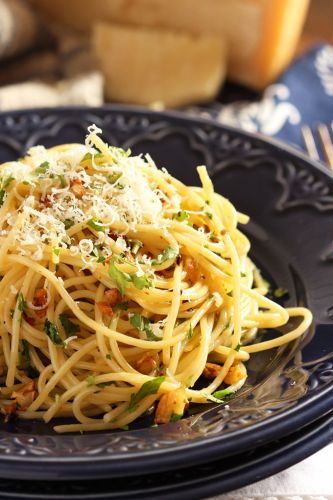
[{"x": 302, "y": 95}]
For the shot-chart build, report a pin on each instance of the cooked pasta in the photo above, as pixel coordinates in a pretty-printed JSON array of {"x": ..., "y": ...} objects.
[{"x": 120, "y": 288}]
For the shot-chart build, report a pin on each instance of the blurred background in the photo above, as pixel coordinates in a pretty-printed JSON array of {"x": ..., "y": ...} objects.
[
  {"x": 236, "y": 61},
  {"x": 154, "y": 52}
]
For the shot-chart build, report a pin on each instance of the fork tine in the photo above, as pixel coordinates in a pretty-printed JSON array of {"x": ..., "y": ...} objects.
[
  {"x": 326, "y": 143},
  {"x": 310, "y": 142}
]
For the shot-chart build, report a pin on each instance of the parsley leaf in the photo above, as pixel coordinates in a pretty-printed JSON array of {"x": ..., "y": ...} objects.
[
  {"x": 280, "y": 292},
  {"x": 140, "y": 282},
  {"x": 143, "y": 325},
  {"x": 135, "y": 246},
  {"x": 176, "y": 416},
  {"x": 88, "y": 156},
  {"x": 2, "y": 196},
  {"x": 32, "y": 372},
  {"x": 22, "y": 305},
  {"x": 181, "y": 216},
  {"x": 237, "y": 348},
  {"x": 56, "y": 251},
  {"x": 62, "y": 180},
  {"x": 68, "y": 223},
  {"x": 96, "y": 224},
  {"x": 68, "y": 325},
  {"x": 122, "y": 306},
  {"x": 112, "y": 178},
  {"x": 119, "y": 277},
  {"x": 95, "y": 252},
  {"x": 168, "y": 253},
  {"x": 148, "y": 388},
  {"x": 224, "y": 394},
  {"x": 190, "y": 332},
  {"x": 90, "y": 380},
  {"x": 52, "y": 332},
  {"x": 43, "y": 168},
  {"x": 6, "y": 180}
]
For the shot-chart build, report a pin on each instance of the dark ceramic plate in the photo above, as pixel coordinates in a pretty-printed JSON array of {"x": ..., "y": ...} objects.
[
  {"x": 290, "y": 201},
  {"x": 195, "y": 482}
]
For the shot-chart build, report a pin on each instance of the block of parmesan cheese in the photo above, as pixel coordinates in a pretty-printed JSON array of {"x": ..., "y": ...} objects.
[
  {"x": 147, "y": 66},
  {"x": 262, "y": 34}
]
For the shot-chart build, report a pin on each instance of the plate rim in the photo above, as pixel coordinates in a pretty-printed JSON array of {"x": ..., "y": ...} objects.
[{"x": 280, "y": 421}]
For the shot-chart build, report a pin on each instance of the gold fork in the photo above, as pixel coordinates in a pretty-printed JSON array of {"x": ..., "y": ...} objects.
[{"x": 325, "y": 140}]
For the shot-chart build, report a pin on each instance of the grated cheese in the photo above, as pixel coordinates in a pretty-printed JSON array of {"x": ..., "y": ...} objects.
[{"x": 114, "y": 189}]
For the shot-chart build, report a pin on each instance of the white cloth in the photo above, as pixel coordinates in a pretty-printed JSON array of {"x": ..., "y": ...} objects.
[
  {"x": 84, "y": 90},
  {"x": 311, "y": 479}
]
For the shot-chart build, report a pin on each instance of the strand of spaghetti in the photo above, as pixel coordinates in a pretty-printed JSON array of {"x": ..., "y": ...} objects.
[
  {"x": 59, "y": 374},
  {"x": 103, "y": 426},
  {"x": 236, "y": 292},
  {"x": 130, "y": 378},
  {"x": 221, "y": 376},
  {"x": 173, "y": 313},
  {"x": 195, "y": 368},
  {"x": 15, "y": 333},
  {"x": 84, "y": 318},
  {"x": 288, "y": 337}
]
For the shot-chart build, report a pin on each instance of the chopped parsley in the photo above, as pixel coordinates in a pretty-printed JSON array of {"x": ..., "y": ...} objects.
[
  {"x": 167, "y": 254},
  {"x": 90, "y": 380},
  {"x": 176, "y": 416},
  {"x": 181, "y": 216},
  {"x": 143, "y": 325},
  {"x": 237, "y": 348},
  {"x": 108, "y": 356},
  {"x": 224, "y": 394},
  {"x": 135, "y": 246},
  {"x": 4, "y": 182},
  {"x": 220, "y": 396},
  {"x": 2, "y": 196},
  {"x": 148, "y": 388},
  {"x": 88, "y": 156},
  {"x": 95, "y": 252},
  {"x": 31, "y": 371},
  {"x": 22, "y": 305},
  {"x": 230, "y": 294},
  {"x": 119, "y": 277},
  {"x": 62, "y": 180},
  {"x": 140, "y": 282},
  {"x": 122, "y": 306},
  {"x": 52, "y": 332},
  {"x": 122, "y": 279},
  {"x": 114, "y": 177},
  {"x": 68, "y": 223},
  {"x": 96, "y": 224},
  {"x": 68, "y": 325},
  {"x": 190, "y": 332},
  {"x": 279, "y": 293},
  {"x": 43, "y": 168}
]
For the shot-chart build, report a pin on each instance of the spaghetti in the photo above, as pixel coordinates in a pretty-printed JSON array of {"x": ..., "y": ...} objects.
[{"x": 120, "y": 288}]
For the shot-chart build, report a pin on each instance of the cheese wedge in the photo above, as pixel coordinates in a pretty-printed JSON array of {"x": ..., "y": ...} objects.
[
  {"x": 262, "y": 34},
  {"x": 145, "y": 66}
]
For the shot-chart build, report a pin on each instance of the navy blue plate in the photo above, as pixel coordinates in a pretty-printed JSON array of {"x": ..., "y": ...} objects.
[
  {"x": 195, "y": 482},
  {"x": 290, "y": 201}
]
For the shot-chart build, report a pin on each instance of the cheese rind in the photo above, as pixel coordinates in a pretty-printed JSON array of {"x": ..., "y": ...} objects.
[
  {"x": 261, "y": 34},
  {"x": 146, "y": 66}
]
